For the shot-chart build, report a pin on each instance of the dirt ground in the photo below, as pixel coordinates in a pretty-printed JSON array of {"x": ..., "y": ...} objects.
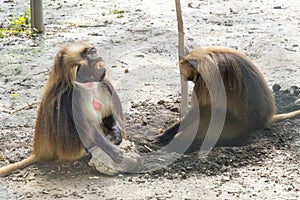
[{"x": 143, "y": 40}]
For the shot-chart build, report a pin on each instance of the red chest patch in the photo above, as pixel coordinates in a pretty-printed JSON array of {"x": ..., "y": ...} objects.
[{"x": 96, "y": 105}]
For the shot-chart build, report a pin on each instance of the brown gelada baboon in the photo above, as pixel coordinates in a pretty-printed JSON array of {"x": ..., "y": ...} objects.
[
  {"x": 76, "y": 67},
  {"x": 250, "y": 103}
]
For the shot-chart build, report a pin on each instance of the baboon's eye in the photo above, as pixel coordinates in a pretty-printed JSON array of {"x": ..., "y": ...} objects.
[{"x": 90, "y": 53}]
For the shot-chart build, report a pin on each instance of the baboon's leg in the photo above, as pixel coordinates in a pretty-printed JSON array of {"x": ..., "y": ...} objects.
[
  {"x": 169, "y": 134},
  {"x": 232, "y": 132}
]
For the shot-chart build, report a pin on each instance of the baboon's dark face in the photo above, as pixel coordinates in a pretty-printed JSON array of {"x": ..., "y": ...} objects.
[
  {"x": 188, "y": 69},
  {"x": 93, "y": 67}
]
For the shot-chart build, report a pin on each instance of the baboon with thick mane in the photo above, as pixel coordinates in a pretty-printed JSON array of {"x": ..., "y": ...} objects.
[
  {"x": 250, "y": 103},
  {"x": 76, "y": 67}
]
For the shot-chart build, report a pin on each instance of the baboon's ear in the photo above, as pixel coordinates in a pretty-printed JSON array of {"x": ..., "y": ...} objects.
[{"x": 58, "y": 60}]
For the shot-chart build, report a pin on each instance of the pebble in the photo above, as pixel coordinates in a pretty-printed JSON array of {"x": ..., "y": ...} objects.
[
  {"x": 140, "y": 181},
  {"x": 295, "y": 90},
  {"x": 276, "y": 87},
  {"x": 174, "y": 109},
  {"x": 160, "y": 102},
  {"x": 183, "y": 175},
  {"x": 286, "y": 91}
]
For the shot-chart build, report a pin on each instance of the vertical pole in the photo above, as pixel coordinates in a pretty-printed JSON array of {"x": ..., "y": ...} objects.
[
  {"x": 184, "y": 85},
  {"x": 36, "y": 8}
]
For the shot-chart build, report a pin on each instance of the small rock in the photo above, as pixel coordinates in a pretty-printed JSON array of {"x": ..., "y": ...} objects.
[
  {"x": 297, "y": 92},
  {"x": 34, "y": 45},
  {"x": 29, "y": 195},
  {"x": 174, "y": 109},
  {"x": 31, "y": 177},
  {"x": 228, "y": 24},
  {"x": 45, "y": 191},
  {"x": 160, "y": 102},
  {"x": 134, "y": 105},
  {"x": 276, "y": 87},
  {"x": 140, "y": 181},
  {"x": 233, "y": 11},
  {"x": 144, "y": 123},
  {"x": 183, "y": 175},
  {"x": 126, "y": 71},
  {"x": 286, "y": 91}
]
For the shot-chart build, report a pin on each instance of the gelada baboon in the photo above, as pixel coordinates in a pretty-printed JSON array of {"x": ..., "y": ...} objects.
[
  {"x": 250, "y": 103},
  {"x": 77, "y": 68}
]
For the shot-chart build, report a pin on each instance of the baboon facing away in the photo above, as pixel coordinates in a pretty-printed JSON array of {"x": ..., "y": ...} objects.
[
  {"x": 77, "y": 68},
  {"x": 250, "y": 103}
]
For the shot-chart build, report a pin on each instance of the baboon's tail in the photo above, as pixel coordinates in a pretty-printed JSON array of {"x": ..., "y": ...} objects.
[
  {"x": 279, "y": 117},
  {"x": 6, "y": 170}
]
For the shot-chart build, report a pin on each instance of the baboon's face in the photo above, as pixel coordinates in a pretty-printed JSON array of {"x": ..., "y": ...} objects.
[
  {"x": 92, "y": 68},
  {"x": 188, "y": 69}
]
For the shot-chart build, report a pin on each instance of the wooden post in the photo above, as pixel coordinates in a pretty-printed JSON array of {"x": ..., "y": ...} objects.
[
  {"x": 36, "y": 9},
  {"x": 184, "y": 85}
]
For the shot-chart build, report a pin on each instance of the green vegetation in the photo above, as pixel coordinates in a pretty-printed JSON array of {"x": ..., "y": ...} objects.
[
  {"x": 13, "y": 97},
  {"x": 20, "y": 26},
  {"x": 120, "y": 13}
]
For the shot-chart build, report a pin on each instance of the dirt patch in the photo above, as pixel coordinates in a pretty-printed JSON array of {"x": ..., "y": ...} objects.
[{"x": 258, "y": 147}]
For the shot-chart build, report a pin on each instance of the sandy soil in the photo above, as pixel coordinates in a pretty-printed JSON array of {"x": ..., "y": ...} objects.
[{"x": 144, "y": 41}]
